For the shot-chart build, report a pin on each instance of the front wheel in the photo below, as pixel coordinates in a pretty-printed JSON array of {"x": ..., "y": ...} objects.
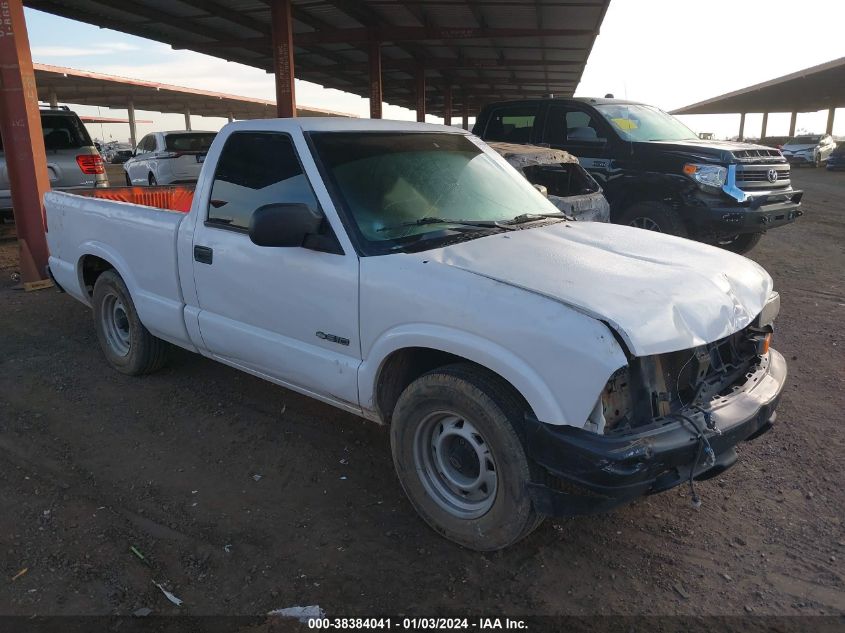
[
  {"x": 128, "y": 179},
  {"x": 740, "y": 243},
  {"x": 459, "y": 458},
  {"x": 127, "y": 345},
  {"x": 653, "y": 216},
  {"x": 152, "y": 180}
]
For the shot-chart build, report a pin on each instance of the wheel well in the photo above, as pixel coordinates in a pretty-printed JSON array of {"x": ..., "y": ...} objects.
[
  {"x": 92, "y": 268},
  {"x": 404, "y": 366},
  {"x": 634, "y": 195}
]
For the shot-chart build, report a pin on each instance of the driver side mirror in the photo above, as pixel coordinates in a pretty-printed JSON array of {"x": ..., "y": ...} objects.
[
  {"x": 542, "y": 189},
  {"x": 283, "y": 224}
]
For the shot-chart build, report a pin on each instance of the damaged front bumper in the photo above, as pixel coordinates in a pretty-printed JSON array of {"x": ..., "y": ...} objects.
[{"x": 600, "y": 472}]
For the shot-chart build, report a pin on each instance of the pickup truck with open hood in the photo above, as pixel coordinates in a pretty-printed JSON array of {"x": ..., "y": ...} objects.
[{"x": 527, "y": 365}]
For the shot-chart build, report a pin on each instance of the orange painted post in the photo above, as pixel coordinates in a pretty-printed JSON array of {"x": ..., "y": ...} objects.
[
  {"x": 283, "y": 67},
  {"x": 420, "y": 94},
  {"x": 23, "y": 141},
  {"x": 376, "y": 90}
]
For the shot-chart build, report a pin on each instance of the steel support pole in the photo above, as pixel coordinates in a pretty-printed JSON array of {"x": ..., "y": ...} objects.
[
  {"x": 54, "y": 100},
  {"x": 792, "y": 121},
  {"x": 376, "y": 89},
  {"x": 281, "y": 24},
  {"x": 830, "y": 116},
  {"x": 133, "y": 131},
  {"x": 465, "y": 113},
  {"x": 231, "y": 117},
  {"x": 447, "y": 104},
  {"x": 742, "y": 126},
  {"x": 764, "y": 126},
  {"x": 419, "y": 78},
  {"x": 188, "y": 119},
  {"x": 23, "y": 142}
]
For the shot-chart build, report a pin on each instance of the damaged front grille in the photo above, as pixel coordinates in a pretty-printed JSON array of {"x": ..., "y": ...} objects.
[{"x": 654, "y": 387}]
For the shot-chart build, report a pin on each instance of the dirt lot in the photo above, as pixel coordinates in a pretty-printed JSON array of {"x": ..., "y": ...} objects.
[{"x": 94, "y": 463}]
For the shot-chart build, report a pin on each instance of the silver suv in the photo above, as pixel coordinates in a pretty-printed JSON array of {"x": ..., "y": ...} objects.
[{"x": 72, "y": 160}]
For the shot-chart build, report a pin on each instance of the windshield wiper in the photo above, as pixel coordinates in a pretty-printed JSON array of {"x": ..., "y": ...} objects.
[
  {"x": 477, "y": 224},
  {"x": 534, "y": 217}
]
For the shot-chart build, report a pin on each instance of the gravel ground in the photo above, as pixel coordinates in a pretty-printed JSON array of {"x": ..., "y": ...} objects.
[{"x": 244, "y": 497}]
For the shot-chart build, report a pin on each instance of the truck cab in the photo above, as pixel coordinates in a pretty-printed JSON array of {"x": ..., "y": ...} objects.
[{"x": 656, "y": 173}]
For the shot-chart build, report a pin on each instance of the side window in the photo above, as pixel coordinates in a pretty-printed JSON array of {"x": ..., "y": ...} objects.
[
  {"x": 143, "y": 146},
  {"x": 511, "y": 124},
  {"x": 256, "y": 168},
  {"x": 570, "y": 126}
]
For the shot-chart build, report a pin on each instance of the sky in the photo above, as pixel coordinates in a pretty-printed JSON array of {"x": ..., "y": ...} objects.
[{"x": 667, "y": 53}]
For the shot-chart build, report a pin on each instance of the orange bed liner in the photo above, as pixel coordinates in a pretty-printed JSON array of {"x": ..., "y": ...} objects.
[{"x": 172, "y": 197}]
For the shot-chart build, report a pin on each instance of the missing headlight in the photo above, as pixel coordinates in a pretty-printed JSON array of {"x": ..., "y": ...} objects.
[{"x": 616, "y": 398}]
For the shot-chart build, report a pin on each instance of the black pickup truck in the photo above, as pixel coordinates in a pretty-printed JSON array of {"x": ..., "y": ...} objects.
[{"x": 655, "y": 172}]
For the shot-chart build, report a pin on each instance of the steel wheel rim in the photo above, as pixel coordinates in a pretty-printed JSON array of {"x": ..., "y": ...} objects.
[
  {"x": 115, "y": 321},
  {"x": 455, "y": 465},
  {"x": 646, "y": 223}
]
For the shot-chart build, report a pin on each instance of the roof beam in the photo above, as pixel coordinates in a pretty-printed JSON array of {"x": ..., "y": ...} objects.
[{"x": 418, "y": 33}]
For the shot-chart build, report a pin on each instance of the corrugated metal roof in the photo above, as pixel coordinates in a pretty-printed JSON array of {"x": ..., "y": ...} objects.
[
  {"x": 88, "y": 88},
  {"x": 482, "y": 54},
  {"x": 807, "y": 90}
]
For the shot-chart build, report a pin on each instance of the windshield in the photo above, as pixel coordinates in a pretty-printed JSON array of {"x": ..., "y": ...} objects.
[
  {"x": 199, "y": 142},
  {"x": 388, "y": 181},
  {"x": 804, "y": 140},
  {"x": 635, "y": 122}
]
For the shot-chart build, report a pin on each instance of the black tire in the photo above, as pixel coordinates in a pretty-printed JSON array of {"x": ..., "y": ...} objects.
[
  {"x": 139, "y": 352},
  {"x": 128, "y": 179},
  {"x": 817, "y": 160},
  {"x": 152, "y": 180},
  {"x": 740, "y": 243},
  {"x": 653, "y": 216},
  {"x": 494, "y": 412}
]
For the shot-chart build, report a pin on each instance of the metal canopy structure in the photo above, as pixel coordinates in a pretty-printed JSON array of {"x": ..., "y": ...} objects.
[
  {"x": 68, "y": 85},
  {"x": 817, "y": 88},
  {"x": 463, "y": 51},
  {"x": 414, "y": 53}
]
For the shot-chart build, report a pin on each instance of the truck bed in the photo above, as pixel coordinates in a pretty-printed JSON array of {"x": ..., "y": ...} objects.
[
  {"x": 139, "y": 240},
  {"x": 170, "y": 197}
]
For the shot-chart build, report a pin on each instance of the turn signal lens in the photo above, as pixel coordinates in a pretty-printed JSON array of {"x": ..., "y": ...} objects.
[
  {"x": 767, "y": 341},
  {"x": 690, "y": 169}
]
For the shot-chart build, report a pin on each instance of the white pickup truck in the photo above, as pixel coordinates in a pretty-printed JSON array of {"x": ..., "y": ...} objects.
[{"x": 526, "y": 364}]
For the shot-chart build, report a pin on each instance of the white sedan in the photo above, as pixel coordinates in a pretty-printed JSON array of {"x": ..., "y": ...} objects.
[{"x": 167, "y": 158}]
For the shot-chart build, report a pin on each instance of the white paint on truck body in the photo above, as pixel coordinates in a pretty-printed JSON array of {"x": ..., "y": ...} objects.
[{"x": 535, "y": 306}]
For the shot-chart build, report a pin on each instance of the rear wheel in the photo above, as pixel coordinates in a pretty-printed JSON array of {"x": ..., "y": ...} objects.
[
  {"x": 654, "y": 216},
  {"x": 128, "y": 179},
  {"x": 740, "y": 243},
  {"x": 127, "y": 344},
  {"x": 459, "y": 457},
  {"x": 152, "y": 180}
]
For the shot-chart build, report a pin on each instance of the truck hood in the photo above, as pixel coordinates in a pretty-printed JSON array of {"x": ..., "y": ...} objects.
[
  {"x": 660, "y": 293},
  {"x": 707, "y": 150},
  {"x": 799, "y": 148}
]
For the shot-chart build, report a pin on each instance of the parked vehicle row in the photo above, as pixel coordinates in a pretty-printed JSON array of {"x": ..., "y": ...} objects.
[
  {"x": 527, "y": 365},
  {"x": 656, "y": 173},
  {"x": 72, "y": 160}
]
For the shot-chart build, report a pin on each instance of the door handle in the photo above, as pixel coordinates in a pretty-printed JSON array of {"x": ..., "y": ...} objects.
[{"x": 203, "y": 254}]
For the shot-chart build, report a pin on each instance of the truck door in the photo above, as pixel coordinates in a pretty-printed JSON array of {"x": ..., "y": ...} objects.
[
  {"x": 289, "y": 314},
  {"x": 581, "y": 134}
]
